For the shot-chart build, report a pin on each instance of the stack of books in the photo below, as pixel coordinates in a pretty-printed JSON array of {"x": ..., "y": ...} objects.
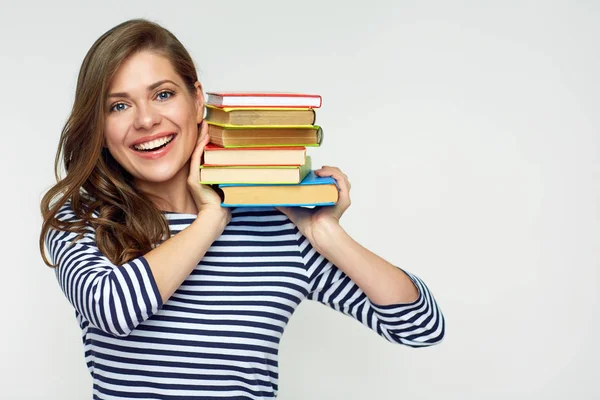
[{"x": 257, "y": 153}]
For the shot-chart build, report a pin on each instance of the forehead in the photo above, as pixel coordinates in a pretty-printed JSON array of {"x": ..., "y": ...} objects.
[{"x": 142, "y": 69}]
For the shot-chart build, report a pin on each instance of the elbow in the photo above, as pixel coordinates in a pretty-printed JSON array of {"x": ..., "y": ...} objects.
[
  {"x": 427, "y": 337},
  {"x": 432, "y": 340},
  {"x": 118, "y": 330},
  {"x": 114, "y": 300},
  {"x": 119, "y": 334},
  {"x": 420, "y": 336},
  {"x": 117, "y": 311},
  {"x": 113, "y": 325},
  {"x": 111, "y": 317}
]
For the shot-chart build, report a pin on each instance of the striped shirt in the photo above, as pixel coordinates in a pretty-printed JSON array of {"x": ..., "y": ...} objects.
[{"x": 217, "y": 336}]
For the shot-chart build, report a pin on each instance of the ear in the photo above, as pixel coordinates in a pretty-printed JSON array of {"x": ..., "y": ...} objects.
[{"x": 199, "y": 97}]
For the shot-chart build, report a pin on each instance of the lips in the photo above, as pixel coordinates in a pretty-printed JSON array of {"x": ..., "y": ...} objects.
[
  {"x": 154, "y": 144},
  {"x": 156, "y": 148},
  {"x": 150, "y": 138}
]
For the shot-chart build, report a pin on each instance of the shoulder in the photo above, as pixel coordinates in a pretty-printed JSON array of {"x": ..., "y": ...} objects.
[
  {"x": 67, "y": 213},
  {"x": 71, "y": 225}
]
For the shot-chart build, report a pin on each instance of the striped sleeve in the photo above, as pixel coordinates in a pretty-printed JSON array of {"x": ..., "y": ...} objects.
[
  {"x": 416, "y": 324},
  {"x": 115, "y": 299}
]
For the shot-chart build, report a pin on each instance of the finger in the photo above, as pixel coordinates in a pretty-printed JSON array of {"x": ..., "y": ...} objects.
[
  {"x": 329, "y": 171},
  {"x": 343, "y": 185},
  {"x": 338, "y": 175},
  {"x": 343, "y": 196},
  {"x": 203, "y": 131},
  {"x": 284, "y": 210},
  {"x": 295, "y": 214},
  {"x": 197, "y": 157},
  {"x": 289, "y": 212}
]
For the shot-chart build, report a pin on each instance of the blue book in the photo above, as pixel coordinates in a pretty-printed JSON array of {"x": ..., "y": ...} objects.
[{"x": 311, "y": 191}]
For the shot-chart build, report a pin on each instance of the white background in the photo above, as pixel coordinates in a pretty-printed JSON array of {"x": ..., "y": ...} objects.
[{"x": 469, "y": 131}]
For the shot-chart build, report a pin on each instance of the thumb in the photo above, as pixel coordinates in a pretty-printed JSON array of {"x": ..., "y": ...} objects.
[
  {"x": 287, "y": 211},
  {"x": 296, "y": 214}
]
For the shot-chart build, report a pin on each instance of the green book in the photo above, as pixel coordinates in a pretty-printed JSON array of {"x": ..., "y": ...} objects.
[{"x": 227, "y": 135}]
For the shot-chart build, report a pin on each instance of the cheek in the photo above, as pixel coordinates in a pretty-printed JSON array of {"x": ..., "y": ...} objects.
[
  {"x": 185, "y": 118},
  {"x": 113, "y": 139},
  {"x": 112, "y": 133},
  {"x": 183, "y": 115}
]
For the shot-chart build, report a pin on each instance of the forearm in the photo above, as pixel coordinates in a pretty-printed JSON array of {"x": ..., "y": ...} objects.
[
  {"x": 382, "y": 282},
  {"x": 173, "y": 261}
]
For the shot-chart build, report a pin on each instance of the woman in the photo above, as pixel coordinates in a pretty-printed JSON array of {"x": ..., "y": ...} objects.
[{"x": 176, "y": 296}]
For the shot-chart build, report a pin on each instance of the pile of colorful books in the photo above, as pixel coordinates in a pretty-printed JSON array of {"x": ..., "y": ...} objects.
[{"x": 257, "y": 153}]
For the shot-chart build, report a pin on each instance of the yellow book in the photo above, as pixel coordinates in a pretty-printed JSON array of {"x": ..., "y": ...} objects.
[
  {"x": 312, "y": 191},
  {"x": 261, "y": 116}
]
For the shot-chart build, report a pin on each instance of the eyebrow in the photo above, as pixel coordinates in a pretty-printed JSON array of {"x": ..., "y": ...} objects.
[{"x": 151, "y": 87}]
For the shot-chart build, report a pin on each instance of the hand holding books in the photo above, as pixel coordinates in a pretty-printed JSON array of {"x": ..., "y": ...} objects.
[
  {"x": 318, "y": 225},
  {"x": 206, "y": 199}
]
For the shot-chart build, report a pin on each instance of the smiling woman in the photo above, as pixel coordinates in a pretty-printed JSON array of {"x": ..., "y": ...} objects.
[
  {"x": 123, "y": 98},
  {"x": 176, "y": 296},
  {"x": 152, "y": 116}
]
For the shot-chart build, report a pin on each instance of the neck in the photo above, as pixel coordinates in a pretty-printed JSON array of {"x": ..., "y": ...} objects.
[{"x": 172, "y": 195}]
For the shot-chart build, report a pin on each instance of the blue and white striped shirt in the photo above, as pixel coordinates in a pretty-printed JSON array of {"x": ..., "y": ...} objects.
[{"x": 218, "y": 335}]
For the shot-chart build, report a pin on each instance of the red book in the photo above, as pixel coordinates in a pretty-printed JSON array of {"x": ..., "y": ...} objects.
[
  {"x": 253, "y": 156},
  {"x": 263, "y": 99}
]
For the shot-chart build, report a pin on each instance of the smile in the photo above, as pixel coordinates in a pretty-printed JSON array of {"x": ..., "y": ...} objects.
[{"x": 154, "y": 145}]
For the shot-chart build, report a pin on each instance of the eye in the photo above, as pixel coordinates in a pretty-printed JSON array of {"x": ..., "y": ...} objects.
[
  {"x": 164, "y": 95},
  {"x": 118, "y": 107}
]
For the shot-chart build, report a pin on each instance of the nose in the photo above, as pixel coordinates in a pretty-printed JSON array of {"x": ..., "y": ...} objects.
[{"x": 146, "y": 116}]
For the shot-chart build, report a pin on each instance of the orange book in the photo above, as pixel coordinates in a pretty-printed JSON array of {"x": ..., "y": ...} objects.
[
  {"x": 279, "y": 174},
  {"x": 260, "y": 156}
]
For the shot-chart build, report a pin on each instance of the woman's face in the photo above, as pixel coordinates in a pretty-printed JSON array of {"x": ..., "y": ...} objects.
[{"x": 151, "y": 123}]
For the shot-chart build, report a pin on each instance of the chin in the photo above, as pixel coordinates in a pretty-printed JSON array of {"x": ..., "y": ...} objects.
[
  {"x": 158, "y": 178},
  {"x": 157, "y": 175}
]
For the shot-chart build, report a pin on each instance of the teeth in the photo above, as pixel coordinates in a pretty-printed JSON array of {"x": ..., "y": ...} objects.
[{"x": 154, "y": 143}]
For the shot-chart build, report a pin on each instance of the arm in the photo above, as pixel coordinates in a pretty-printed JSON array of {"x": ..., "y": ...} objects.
[
  {"x": 381, "y": 281},
  {"x": 115, "y": 298},
  {"x": 416, "y": 322},
  {"x": 349, "y": 278},
  {"x": 174, "y": 259}
]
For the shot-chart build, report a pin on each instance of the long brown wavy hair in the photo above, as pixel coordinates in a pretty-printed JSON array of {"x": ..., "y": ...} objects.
[{"x": 126, "y": 222}]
